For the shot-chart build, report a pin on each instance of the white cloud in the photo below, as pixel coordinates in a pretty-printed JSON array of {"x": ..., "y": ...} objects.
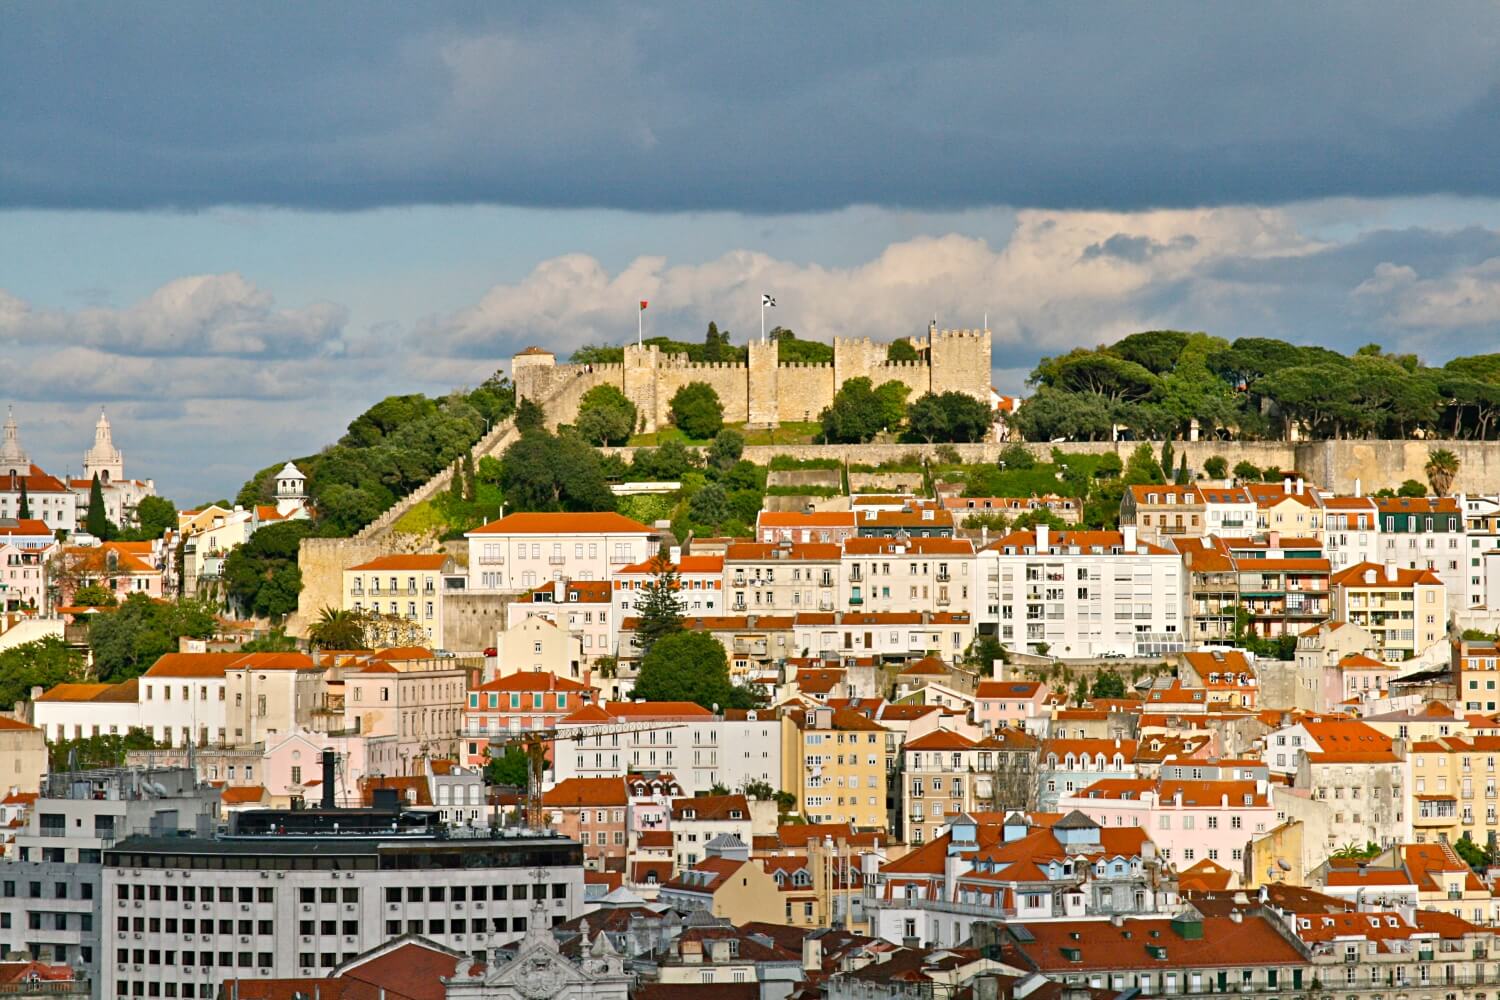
[
  {"x": 1062, "y": 279},
  {"x": 1464, "y": 298},
  {"x": 200, "y": 315}
]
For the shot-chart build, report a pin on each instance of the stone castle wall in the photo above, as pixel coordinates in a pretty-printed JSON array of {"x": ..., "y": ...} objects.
[{"x": 763, "y": 391}]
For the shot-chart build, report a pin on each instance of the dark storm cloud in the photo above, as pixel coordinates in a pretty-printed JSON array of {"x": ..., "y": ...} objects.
[{"x": 773, "y": 108}]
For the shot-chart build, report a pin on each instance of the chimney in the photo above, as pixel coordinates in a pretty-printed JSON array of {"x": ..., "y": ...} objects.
[
  {"x": 559, "y": 591},
  {"x": 1273, "y": 540},
  {"x": 1127, "y": 532},
  {"x": 812, "y": 954},
  {"x": 1286, "y": 484},
  {"x": 328, "y": 779},
  {"x": 1357, "y": 491},
  {"x": 1043, "y": 538},
  {"x": 674, "y": 554},
  {"x": 1370, "y": 575},
  {"x": 1390, "y": 572}
]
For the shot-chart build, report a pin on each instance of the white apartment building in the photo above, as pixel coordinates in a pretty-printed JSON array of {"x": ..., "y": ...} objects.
[
  {"x": 1427, "y": 533},
  {"x": 888, "y": 635},
  {"x": 701, "y": 750},
  {"x": 1350, "y": 531},
  {"x": 1084, "y": 593},
  {"x": 1228, "y": 511},
  {"x": 700, "y": 583},
  {"x": 523, "y": 551},
  {"x": 907, "y": 574},
  {"x": 190, "y": 912}
]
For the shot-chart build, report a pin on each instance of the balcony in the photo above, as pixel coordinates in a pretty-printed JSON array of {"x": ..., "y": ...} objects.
[
  {"x": 944, "y": 576},
  {"x": 856, "y": 599},
  {"x": 556, "y": 560},
  {"x": 491, "y": 560},
  {"x": 855, "y": 576}
]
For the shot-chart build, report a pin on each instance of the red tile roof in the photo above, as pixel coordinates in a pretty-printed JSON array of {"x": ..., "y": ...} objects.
[
  {"x": 432, "y": 562},
  {"x": 577, "y": 792}
]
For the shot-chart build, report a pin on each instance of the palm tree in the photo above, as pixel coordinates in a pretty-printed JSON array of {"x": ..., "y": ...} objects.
[
  {"x": 337, "y": 628},
  {"x": 1441, "y": 469}
]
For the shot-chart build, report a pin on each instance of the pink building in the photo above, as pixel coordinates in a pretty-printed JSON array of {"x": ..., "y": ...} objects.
[
  {"x": 292, "y": 766},
  {"x": 795, "y": 526},
  {"x": 518, "y": 703},
  {"x": 1188, "y": 820},
  {"x": 122, "y": 568},
  {"x": 23, "y": 577},
  {"x": 1010, "y": 703},
  {"x": 651, "y": 801}
]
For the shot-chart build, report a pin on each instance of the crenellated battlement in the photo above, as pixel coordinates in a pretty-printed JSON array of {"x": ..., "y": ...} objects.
[{"x": 763, "y": 389}]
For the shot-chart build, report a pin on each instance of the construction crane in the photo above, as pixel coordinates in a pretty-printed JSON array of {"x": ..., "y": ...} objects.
[{"x": 535, "y": 744}]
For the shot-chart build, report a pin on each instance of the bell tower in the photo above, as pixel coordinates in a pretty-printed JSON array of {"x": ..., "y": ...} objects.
[{"x": 103, "y": 459}]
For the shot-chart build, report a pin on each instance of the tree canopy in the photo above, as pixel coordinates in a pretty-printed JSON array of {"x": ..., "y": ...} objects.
[
  {"x": 261, "y": 576},
  {"x": 547, "y": 472},
  {"x": 696, "y": 410},
  {"x": 127, "y": 641},
  {"x": 1157, "y": 383},
  {"x": 388, "y": 451},
  {"x": 42, "y": 663},
  {"x": 606, "y": 416},
  {"x": 690, "y": 666}
]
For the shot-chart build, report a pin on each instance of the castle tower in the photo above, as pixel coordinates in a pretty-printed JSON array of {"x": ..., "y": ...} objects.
[
  {"x": 13, "y": 458},
  {"x": 291, "y": 489},
  {"x": 763, "y": 405},
  {"x": 103, "y": 459},
  {"x": 960, "y": 361}
]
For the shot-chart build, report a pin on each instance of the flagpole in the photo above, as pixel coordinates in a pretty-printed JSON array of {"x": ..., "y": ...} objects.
[
  {"x": 640, "y": 326},
  {"x": 762, "y": 319}
]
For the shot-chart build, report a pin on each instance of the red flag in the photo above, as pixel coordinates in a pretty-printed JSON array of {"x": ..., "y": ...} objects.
[{"x": 643, "y": 303}]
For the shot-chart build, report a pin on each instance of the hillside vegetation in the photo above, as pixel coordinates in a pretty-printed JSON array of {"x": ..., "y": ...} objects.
[{"x": 1156, "y": 383}]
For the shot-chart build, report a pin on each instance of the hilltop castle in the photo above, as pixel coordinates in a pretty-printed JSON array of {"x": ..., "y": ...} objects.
[{"x": 765, "y": 391}]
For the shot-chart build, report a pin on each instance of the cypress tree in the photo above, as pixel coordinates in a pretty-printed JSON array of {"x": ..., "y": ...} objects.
[
  {"x": 24, "y": 509},
  {"x": 456, "y": 484},
  {"x": 97, "y": 522},
  {"x": 469, "y": 493}
]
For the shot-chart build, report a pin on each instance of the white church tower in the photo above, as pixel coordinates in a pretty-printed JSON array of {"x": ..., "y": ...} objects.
[
  {"x": 103, "y": 459},
  {"x": 13, "y": 458},
  {"x": 291, "y": 489}
]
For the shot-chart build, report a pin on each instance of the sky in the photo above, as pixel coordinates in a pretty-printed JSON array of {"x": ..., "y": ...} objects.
[{"x": 236, "y": 226}]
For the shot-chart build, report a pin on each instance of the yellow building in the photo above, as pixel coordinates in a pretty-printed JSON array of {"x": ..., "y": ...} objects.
[
  {"x": 727, "y": 886},
  {"x": 1404, "y": 610},
  {"x": 833, "y": 761},
  {"x": 1276, "y": 857},
  {"x": 1456, "y": 789}
]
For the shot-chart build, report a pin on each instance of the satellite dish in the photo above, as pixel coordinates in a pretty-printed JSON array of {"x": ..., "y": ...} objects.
[{"x": 1281, "y": 863}]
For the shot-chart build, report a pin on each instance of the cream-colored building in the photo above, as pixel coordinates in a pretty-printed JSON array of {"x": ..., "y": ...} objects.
[
  {"x": 781, "y": 577},
  {"x": 423, "y": 709},
  {"x": 908, "y": 574},
  {"x": 523, "y": 551},
  {"x": 539, "y": 645},
  {"x": 23, "y": 756},
  {"x": 583, "y": 608},
  {"x": 833, "y": 761},
  {"x": 268, "y": 695},
  {"x": 1455, "y": 789},
  {"x": 1404, "y": 610},
  {"x": 407, "y": 587}
]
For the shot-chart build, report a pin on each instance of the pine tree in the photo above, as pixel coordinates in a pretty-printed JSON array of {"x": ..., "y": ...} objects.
[
  {"x": 24, "y": 508},
  {"x": 96, "y": 522},
  {"x": 469, "y": 493},
  {"x": 659, "y": 609}
]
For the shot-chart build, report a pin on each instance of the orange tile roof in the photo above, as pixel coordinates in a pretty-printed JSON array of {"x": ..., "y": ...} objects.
[
  {"x": 562, "y": 524},
  {"x": 433, "y": 562},
  {"x": 532, "y": 680},
  {"x": 1354, "y": 577},
  {"x": 232, "y": 795},
  {"x": 710, "y": 807},
  {"x": 125, "y": 691},
  {"x": 15, "y": 725},
  {"x": 28, "y": 526},
  {"x": 403, "y": 654},
  {"x": 1100, "y": 945},
  {"x": 1008, "y": 689},
  {"x": 940, "y": 739},
  {"x": 572, "y": 793},
  {"x": 685, "y": 565}
]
